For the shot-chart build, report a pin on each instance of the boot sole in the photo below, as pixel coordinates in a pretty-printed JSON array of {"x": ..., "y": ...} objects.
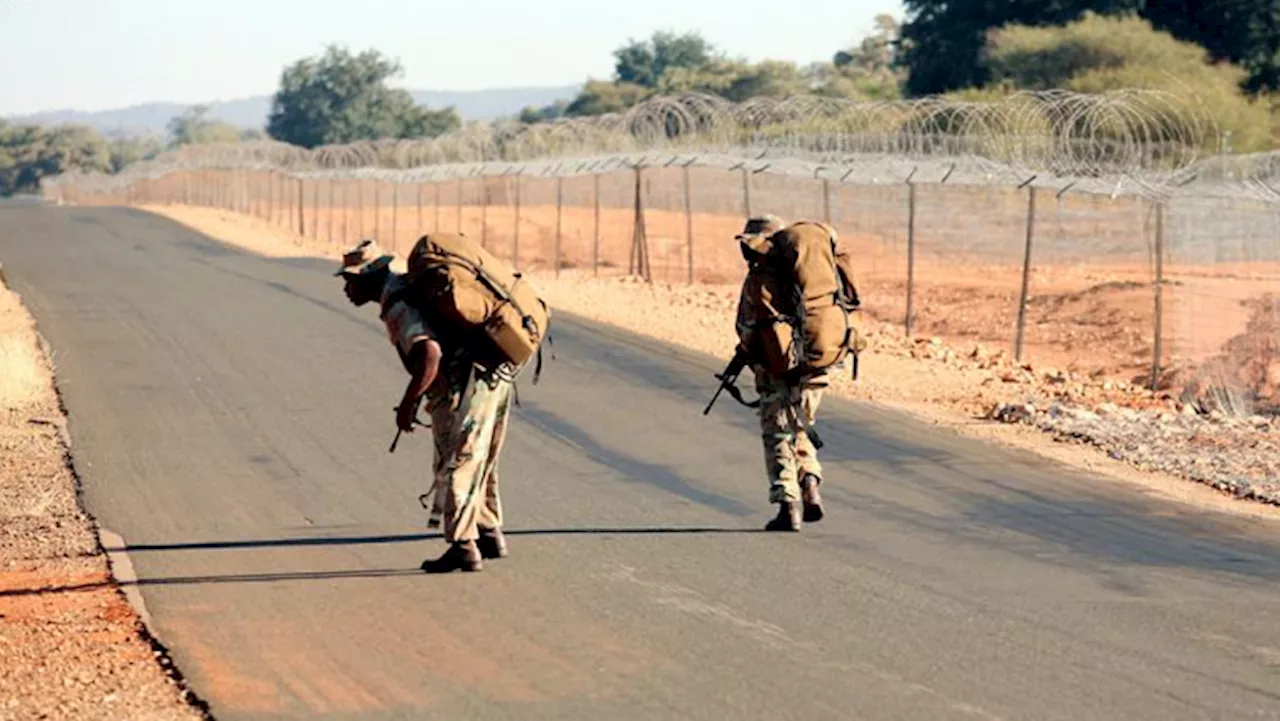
[{"x": 813, "y": 513}]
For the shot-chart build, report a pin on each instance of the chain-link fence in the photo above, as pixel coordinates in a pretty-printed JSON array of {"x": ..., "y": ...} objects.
[{"x": 1079, "y": 232}]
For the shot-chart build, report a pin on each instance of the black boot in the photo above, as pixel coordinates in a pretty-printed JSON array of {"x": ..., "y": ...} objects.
[
  {"x": 463, "y": 556},
  {"x": 788, "y": 518},
  {"x": 813, "y": 511},
  {"x": 492, "y": 543}
]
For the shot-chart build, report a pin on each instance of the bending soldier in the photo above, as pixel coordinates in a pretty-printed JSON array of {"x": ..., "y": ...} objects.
[
  {"x": 788, "y": 405},
  {"x": 469, "y": 410}
]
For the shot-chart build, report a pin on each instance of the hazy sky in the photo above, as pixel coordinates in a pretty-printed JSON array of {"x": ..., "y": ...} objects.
[{"x": 100, "y": 54}]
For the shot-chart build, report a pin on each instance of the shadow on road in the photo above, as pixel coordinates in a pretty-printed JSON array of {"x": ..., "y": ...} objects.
[{"x": 414, "y": 537}]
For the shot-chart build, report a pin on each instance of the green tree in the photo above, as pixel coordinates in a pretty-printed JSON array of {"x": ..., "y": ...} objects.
[
  {"x": 340, "y": 98},
  {"x": 599, "y": 97},
  {"x": 1098, "y": 54},
  {"x": 127, "y": 151},
  {"x": 1245, "y": 32},
  {"x": 30, "y": 153},
  {"x": 644, "y": 63},
  {"x": 942, "y": 40},
  {"x": 195, "y": 126}
]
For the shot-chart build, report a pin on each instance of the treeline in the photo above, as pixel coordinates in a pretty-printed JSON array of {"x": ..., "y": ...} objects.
[
  {"x": 30, "y": 153},
  {"x": 1224, "y": 53}
]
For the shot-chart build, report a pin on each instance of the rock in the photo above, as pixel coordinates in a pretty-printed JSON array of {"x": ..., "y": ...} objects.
[
  {"x": 1188, "y": 410},
  {"x": 1108, "y": 410},
  {"x": 1013, "y": 413}
]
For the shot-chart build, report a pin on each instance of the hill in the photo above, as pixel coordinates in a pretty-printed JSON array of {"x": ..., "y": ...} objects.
[{"x": 150, "y": 118}]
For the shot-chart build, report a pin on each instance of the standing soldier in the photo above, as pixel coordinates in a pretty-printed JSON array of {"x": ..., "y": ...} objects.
[
  {"x": 469, "y": 409},
  {"x": 767, "y": 326}
]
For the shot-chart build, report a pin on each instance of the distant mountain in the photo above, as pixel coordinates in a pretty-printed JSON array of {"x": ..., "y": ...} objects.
[{"x": 150, "y": 118}]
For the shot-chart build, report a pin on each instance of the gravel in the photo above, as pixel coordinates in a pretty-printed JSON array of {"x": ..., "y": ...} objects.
[{"x": 71, "y": 647}]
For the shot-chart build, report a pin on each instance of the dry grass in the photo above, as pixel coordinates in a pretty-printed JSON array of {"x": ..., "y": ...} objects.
[{"x": 26, "y": 378}]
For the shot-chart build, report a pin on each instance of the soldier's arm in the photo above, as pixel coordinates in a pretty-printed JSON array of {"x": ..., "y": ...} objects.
[{"x": 424, "y": 365}]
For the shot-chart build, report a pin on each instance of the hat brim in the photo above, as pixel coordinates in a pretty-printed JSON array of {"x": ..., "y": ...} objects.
[{"x": 355, "y": 271}]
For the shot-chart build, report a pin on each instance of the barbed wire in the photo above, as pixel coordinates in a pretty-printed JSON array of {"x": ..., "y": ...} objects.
[{"x": 1149, "y": 137}]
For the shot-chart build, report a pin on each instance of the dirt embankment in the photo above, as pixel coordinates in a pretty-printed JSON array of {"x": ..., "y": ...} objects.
[
  {"x": 1078, "y": 407},
  {"x": 71, "y": 647}
]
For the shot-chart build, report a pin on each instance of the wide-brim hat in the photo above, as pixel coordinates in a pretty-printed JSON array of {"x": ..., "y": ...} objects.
[
  {"x": 365, "y": 257},
  {"x": 759, "y": 225}
]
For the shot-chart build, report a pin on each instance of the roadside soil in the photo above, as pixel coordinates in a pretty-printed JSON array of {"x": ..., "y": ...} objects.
[{"x": 71, "y": 646}]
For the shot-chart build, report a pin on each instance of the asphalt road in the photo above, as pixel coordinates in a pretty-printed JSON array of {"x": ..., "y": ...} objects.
[{"x": 231, "y": 417}]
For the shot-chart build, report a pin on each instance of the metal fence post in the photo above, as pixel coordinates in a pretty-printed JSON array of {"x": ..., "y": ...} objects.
[
  {"x": 688, "y": 220},
  {"x": 559, "y": 219},
  {"x": 595, "y": 245},
  {"x": 1026, "y": 275},
  {"x": 910, "y": 319},
  {"x": 515, "y": 236},
  {"x": 1157, "y": 355},
  {"x": 459, "y": 205}
]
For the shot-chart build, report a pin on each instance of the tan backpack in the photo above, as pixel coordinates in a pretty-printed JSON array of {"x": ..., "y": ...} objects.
[
  {"x": 807, "y": 257},
  {"x": 478, "y": 299}
]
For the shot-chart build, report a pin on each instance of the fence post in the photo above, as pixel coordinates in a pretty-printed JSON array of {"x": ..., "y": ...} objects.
[
  {"x": 377, "y": 210},
  {"x": 595, "y": 243},
  {"x": 484, "y": 212},
  {"x": 395, "y": 215},
  {"x": 328, "y": 216},
  {"x": 315, "y": 209},
  {"x": 639, "y": 239},
  {"x": 826, "y": 201},
  {"x": 911, "y": 259},
  {"x": 1026, "y": 275},
  {"x": 459, "y": 205},
  {"x": 515, "y": 237},
  {"x": 346, "y": 216},
  {"x": 302, "y": 207},
  {"x": 435, "y": 224},
  {"x": 746, "y": 190},
  {"x": 1158, "y": 353},
  {"x": 360, "y": 207},
  {"x": 688, "y": 219},
  {"x": 559, "y": 218},
  {"x": 419, "y": 230}
]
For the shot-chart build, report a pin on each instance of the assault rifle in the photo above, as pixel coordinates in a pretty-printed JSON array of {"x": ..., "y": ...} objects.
[{"x": 729, "y": 381}]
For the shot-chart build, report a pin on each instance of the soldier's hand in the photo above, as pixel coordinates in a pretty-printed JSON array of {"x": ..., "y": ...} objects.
[{"x": 406, "y": 413}]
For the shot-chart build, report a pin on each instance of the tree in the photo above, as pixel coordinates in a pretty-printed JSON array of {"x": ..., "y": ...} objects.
[
  {"x": 30, "y": 153},
  {"x": 127, "y": 151},
  {"x": 1097, "y": 54},
  {"x": 942, "y": 39},
  {"x": 194, "y": 126},
  {"x": 340, "y": 98},
  {"x": 1245, "y": 32},
  {"x": 869, "y": 70},
  {"x": 599, "y": 97},
  {"x": 644, "y": 63}
]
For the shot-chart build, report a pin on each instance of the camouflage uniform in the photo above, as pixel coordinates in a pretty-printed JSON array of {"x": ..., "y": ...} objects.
[
  {"x": 469, "y": 410},
  {"x": 786, "y": 412},
  {"x": 785, "y": 415}
]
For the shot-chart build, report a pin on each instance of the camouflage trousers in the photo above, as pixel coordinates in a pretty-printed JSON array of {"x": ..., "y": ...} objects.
[
  {"x": 785, "y": 413},
  {"x": 469, "y": 427}
]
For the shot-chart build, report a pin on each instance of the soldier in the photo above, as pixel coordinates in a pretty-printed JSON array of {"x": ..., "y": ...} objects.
[
  {"x": 469, "y": 410},
  {"x": 788, "y": 405}
]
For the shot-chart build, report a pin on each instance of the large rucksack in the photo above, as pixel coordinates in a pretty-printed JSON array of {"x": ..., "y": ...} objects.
[
  {"x": 807, "y": 259},
  {"x": 477, "y": 299}
]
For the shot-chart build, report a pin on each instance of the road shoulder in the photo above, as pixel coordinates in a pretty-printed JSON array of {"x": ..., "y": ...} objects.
[{"x": 71, "y": 646}]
